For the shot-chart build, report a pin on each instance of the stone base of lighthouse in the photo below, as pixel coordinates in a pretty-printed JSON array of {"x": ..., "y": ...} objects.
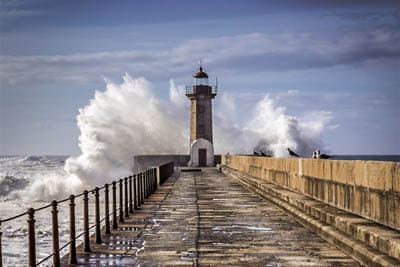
[{"x": 201, "y": 153}]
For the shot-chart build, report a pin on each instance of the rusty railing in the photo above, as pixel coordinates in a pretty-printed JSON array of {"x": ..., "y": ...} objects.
[{"x": 132, "y": 192}]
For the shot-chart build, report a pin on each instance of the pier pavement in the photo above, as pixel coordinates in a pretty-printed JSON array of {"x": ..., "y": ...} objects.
[{"x": 208, "y": 219}]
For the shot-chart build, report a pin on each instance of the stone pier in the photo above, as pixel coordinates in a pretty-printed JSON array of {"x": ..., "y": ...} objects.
[{"x": 206, "y": 218}]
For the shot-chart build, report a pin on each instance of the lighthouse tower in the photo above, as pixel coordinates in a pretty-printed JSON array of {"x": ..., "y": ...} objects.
[{"x": 201, "y": 130}]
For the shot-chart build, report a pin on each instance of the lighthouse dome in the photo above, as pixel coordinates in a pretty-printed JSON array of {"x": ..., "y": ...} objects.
[{"x": 200, "y": 74}]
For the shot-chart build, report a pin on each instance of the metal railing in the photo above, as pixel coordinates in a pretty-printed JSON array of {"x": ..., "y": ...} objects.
[
  {"x": 137, "y": 187},
  {"x": 190, "y": 90}
]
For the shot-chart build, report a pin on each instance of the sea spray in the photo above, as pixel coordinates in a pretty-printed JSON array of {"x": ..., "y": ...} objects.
[
  {"x": 276, "y": 131},
  {"x": 129, "y": 119},
  {"x": 123, "y": 121}
]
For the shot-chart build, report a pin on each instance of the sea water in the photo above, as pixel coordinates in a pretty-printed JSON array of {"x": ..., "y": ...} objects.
[{"x": 18, "y": 174}]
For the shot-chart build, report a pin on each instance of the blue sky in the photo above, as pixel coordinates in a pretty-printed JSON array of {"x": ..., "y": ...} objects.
[{"x": 337, "y": 56}]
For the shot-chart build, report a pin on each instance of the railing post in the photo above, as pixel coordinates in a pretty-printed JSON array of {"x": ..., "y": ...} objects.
[
  {"x": 126, "y": 198},
  {"x": 121, "y": 203},
  {"x": 31, "y": 237},
  {"x": 139, "y": 181},
  {"x": 135, "y": 193},
  {"x": 141, "y": 189},
  {"x": 1, "y": 252},
  {"x": 155, "y": 179},
  {"x": 107, "y": 209},
  {"x": 56, "y": 244},
  {"x": 97, "y": 215},
  {"x": 114, "y": 196},
  {"x": 72, "y": 242},
  {"x": 86, "y": 221},
  {"x": 148, "y": 183},
  {"x": 146, "y": 187},
  {"x": 130, "y": 195},
  {"x": 152, "y": 181}
]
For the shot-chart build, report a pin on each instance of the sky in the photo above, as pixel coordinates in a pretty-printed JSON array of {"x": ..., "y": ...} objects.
[{"x": 341, "y": 57}]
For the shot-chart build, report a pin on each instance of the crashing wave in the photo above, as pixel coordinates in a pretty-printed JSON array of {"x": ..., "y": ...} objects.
[{"x": 8, "y": 184}]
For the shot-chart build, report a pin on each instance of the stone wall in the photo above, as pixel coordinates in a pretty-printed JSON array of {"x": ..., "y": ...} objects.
[
  {"x": 165, "y": 171},
  {"x": 367, "y": 188},
  {"x": 142, "y": 162}
]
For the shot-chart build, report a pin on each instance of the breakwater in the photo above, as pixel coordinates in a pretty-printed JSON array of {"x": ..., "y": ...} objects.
[
  {"x": 351, "y": 204},
  {"x": 370, "y": 189}
]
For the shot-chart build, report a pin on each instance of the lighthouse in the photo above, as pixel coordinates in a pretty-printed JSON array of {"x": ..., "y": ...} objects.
[{"x": 201, "y": 95}]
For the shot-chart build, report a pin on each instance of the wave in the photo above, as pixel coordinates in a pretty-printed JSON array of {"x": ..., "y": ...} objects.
[
  {"x": 34, "y": 178},
  {"x": 129, "y": 119},
  {"x": 9, "y": 184}
]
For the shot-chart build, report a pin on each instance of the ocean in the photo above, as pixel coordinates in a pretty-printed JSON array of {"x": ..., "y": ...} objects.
[{"x": 21, "y": 187}]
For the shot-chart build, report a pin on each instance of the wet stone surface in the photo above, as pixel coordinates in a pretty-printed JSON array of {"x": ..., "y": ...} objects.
[{"x": 207, "y": 219}]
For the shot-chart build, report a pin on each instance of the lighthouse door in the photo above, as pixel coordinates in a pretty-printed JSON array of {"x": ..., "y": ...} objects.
[{"x": 202, "y": 157}]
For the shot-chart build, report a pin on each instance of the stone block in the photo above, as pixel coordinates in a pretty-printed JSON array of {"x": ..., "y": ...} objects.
[
  {"x": 361, "y": 178},
  {"x": 379, "y": 175},
  {"x": 396, "y": 212},
  {"x": 337, "y": 173},
  {"x": 375, "y": 203},
  {"x": 357, "y": 200},
  {"x": 391, "y": 209},
  {"x": 396, "y": 177},
  {"x": 327, "y": 169}
]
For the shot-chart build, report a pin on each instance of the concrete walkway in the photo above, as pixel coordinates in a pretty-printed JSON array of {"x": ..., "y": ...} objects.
[{"x": 207, "y": 219}]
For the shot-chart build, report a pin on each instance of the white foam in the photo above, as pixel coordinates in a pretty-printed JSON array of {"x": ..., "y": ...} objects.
[{"x": 128, "y": 119}]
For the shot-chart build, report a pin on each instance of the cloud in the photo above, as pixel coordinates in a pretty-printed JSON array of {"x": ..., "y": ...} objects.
[
  {"x": 18, "y": 8},
  {"x": 246, "y": 53},
  {"x": 292, "y": 92}
]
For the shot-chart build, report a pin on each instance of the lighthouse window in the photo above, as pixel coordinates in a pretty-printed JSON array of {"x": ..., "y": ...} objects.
[{"x": 201, "y": 81}]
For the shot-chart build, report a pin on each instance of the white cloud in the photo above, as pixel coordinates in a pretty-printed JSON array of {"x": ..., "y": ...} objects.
[
  {"x": 292, "y": 92},
  {"x": 255, "y": 52}
]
